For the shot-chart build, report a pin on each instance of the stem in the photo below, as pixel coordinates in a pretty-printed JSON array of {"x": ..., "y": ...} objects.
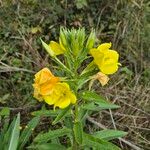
[
  {"x": 62, "y": 65},
  {"x": 75, "y": 144}
]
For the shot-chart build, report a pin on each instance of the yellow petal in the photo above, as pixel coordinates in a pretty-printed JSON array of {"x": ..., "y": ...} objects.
[
  {"x": 46, "y": 89},
  {"x": 112, "y": 54},
  {"x": 62, "y": 103},
  {"x": 45, "y": 75},
  {"x": 56, "y": 48},
  {"x": 61, "y": 45},
  {"x": 73, "y": 98},
  {"x": 109, "y": 64},
  {"x": 104, "y": 47},
  {"x": 109, "y": 68},
  {"x": 93, "y": 51},
  {"x": 98, "y": 56},
  {"x": 44, "y": 83},
  {"x": 49, "y": 99}
]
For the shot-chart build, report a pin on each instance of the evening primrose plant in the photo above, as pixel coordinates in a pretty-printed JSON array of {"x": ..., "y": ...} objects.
[{"x": 69, "y": 90}]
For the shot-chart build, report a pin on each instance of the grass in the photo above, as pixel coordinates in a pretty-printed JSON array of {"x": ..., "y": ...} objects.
[{"x": 124, "y": 23}]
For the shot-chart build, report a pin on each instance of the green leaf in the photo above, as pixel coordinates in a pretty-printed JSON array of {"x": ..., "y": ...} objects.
[
  {"x": 91, "y": 106},
  {"x": 27, "y": 132},
  {"x": 97, "y": 143},
  {"x": 91, "y": 40},
  {"x": 5, "y": 111},
  {"x": 100, "y": 101},
  {"x": 7, "y": 132},
  {"x": 96, "y": 107},
  {"x": 14, "y": 138},
  {"x": 47, "y": 48},
  {"x": 82, "y": 114},
  {"x": 45, "y": 113},
  {"x": 109, "y": 134},
  {"x": 45, "y": 137},
  {"x": 90, "y": 67},
  {"x": 47, "y": 146},
  {"x": 61, "y": 115},
  {"x": 78, "y": 132}
]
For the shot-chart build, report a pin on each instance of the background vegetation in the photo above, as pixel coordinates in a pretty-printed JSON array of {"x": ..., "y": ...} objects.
[{"x": 123, "y": 22}]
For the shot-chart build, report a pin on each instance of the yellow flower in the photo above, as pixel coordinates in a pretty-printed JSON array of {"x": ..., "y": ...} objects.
[
  {"x": 43, "y": 83},
  {"x": 57, "y": 48},
  {"x": 105, "y": 58},
  {"x": 61, "y": 96}
]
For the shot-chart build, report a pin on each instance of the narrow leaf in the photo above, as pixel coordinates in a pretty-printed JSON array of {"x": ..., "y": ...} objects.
[
  {"x": 45, "y": 137},
  {"x": 94, "y": 142},
  {"x": 78, "y": 132},
  {"x": 109, "y": 134},
  {"x": 47, "y": 146},
  {"x": 97, "y": 107},
  {"x": 47, "y": 48},
  {"x": 99, "y": 100},
  {"x": 25, "y": 135},
  {"x": 7, "y": 133},
  {"x": 14, "y": 138},
  {"x": 61, "y": 115},
  {"x": 45, "y": 113}
]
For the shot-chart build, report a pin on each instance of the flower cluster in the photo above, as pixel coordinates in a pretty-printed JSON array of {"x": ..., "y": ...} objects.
[
  {"x": 47, "y": 87},
  {"x": 73, "y": 45}
]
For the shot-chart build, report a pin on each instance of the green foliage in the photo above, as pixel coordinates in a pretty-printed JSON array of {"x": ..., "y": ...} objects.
[
  {"x": 5, "y": 111},
  {"x": 109, "y": 134},
  {"x": 98, "y": 102},
  {"x": 52, "y": 134},
  {"x": 15, "y": 131},
  {"x": 45, "y": 113},
  {"x": 47, "y": 146},
  {"x": 98, "y": 143},
  {"x": 47, "y": 48},
  {"x": 78, "y": 132},
  {"x": 10, "y": 136},
  {"x": 61, "y": 115},
  {"x": 26, "y": 133}
]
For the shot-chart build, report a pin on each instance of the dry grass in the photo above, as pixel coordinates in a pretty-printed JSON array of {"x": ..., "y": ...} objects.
[{"x": 133, "y": 116}]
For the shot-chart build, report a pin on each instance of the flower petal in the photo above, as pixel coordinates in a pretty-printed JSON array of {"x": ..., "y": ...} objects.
[
  {"x": 72, "y": 97},
  {"x": 98, "y": 56},
  {"x": 56, "y": 48},
  {"x": 109, "y": 68},
  {"x": 50, "y": 99},
  {"x": 104, "y": 47},
  {"x": 62, "y": 103}
]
